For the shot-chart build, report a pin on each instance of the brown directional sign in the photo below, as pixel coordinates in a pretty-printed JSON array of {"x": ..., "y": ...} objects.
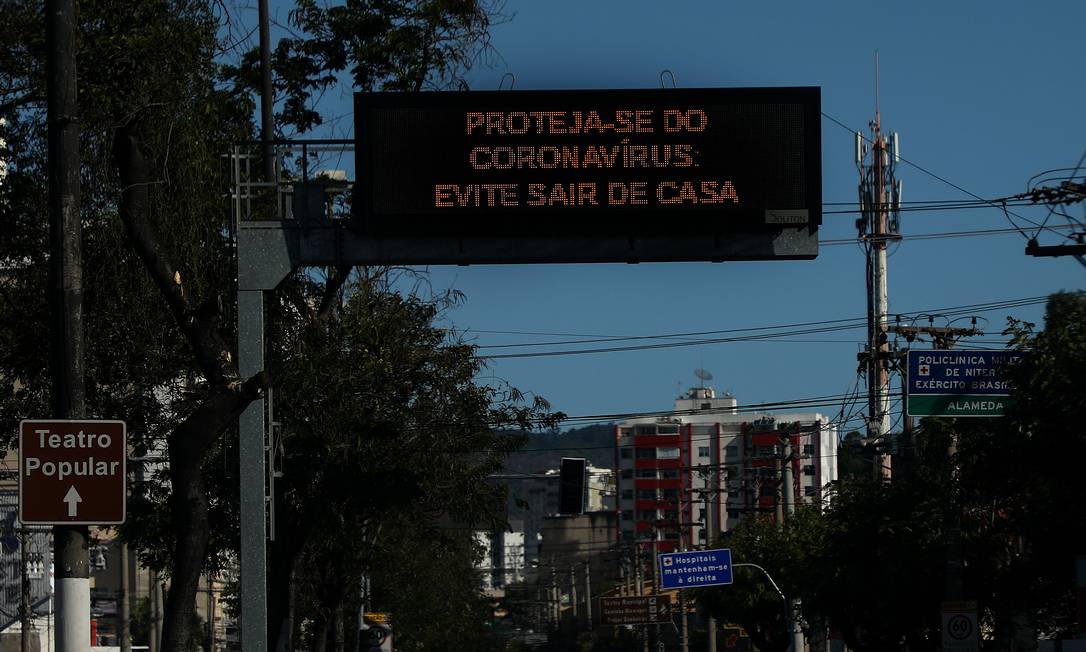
[
  {"x": 72, "y": 472},
  {"x": 635, "y": 610}
]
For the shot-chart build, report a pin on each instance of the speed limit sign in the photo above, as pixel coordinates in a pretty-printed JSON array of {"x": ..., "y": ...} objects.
[{"x": 960, "y": 632}]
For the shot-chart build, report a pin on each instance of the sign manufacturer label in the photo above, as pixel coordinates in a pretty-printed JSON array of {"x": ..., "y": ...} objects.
[
  {"x": 72, "y": 472},
  {"x": 685, "y": 570}
]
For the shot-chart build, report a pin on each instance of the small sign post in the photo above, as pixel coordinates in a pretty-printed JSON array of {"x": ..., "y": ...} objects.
[
  {"x": 72, "y": 472},
  {"x": 635, "y": 610},
  {"x": 960, "y": 633}
]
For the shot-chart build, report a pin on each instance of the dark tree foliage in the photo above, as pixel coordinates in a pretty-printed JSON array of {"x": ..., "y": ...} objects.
[
  {"x": 146, "y": 68},
  {"x": 873, "y": 564},
  {"x": 372, "y": 45},
  {"x": 387, "y": 445},
  {"x": 1024, "y": 511}
]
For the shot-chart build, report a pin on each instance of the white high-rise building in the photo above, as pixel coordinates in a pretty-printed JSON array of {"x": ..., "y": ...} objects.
[{"x": 709, "y": 464}]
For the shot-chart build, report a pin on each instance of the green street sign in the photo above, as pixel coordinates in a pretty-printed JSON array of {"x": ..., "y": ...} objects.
[
  {"x": 958, "y": 383},
  {"x": 964, "y": 405}
]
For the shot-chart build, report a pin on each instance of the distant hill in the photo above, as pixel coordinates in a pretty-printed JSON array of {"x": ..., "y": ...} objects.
[{"x": 546, "y": 450}]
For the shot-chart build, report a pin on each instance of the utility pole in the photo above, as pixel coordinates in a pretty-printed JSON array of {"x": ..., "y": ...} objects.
[
  {"x": 788, "y": 491},
  {"x": 24, "y": 577},
  {"x": 556, "y": 595},
  {"x": 655, "y": 570},
  {"x": 778, "y": 509},
  {"x": 267, "y": 124},
  {"x": 946, "y": 338},
  {"x": 72, "y": 566},
  {"x": 943, "y": 337},
  {"x": 684, "y": 632},
  {"x": 156, "y": 622},
  {"x": 588, "y": 592},
  {"x": 124, "y": 627},
  {"x": 622, "y": 589},
  {"x": 573, "y": 591},
  {"x": 880, "y": 199},
  {"x": 789, "y": 499},
  {"x": 641, "y": 591},
  {"x": 708, "y": 520}
]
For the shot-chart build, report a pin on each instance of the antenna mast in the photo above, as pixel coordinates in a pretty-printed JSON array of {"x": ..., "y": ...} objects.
[{"x": 880, "y": 201}]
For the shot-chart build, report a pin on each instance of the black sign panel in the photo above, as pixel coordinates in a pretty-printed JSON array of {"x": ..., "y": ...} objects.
[
  {"x": 572, "y": 486},
  {"x": 659, "y": 163}
]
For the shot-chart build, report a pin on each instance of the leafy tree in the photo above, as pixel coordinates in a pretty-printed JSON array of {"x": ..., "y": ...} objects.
[
  {"x": 405, "y": 414},
  {"x": 146, "y": 69},
  {"x": 1024, "y": 516},
  {"x": 376, "y": 45},
  {"x": 785, "y": 554}
]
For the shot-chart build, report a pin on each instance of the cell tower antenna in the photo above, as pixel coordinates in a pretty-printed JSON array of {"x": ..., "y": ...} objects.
[{"x": 876, "y": 89}]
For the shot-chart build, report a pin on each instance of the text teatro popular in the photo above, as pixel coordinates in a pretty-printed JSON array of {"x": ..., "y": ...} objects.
[{"x": 625, "y": 154}]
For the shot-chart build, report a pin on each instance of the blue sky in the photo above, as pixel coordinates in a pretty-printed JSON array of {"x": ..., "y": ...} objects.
[{"x": 984, "y": 95}]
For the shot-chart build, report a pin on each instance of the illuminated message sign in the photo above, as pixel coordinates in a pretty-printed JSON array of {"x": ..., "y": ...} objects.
[{"x": 617, "y": 163}]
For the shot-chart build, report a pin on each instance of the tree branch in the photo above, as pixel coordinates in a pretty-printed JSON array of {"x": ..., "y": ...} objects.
[
  {"x": 199, "y": 324},
  {"x": 336, "y": 278}
]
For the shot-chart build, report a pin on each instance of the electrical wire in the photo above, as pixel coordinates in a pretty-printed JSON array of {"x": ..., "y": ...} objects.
[
  {"x": 993, "y": 204},
  {"x": 803, "y": 328}
]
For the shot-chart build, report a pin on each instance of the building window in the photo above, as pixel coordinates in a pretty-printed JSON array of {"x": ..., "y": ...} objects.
[
  {"x": 703, "y": 451},
  {"x": 731, "y": 451},
  {"x": 733, "y": 513},
  {"x": 671, "y": 494},
  {"x": 627, "y": 515},
  {"x": 646, "y": 453},
  {"x": 627, "y": 494},
  {"x": 768, "y": 491},
  {"x": 646, "y": 473},
  {"x": 808, "y": 469},
  {"x": 669, "y": 474},
  {"x": 809, "y": 491},
  {"x": 628, "y": 536},
  {"x": 646, "y": 494},
  {"x": 808, "y": 449},
  {"x": 670, "y": 536},
  {"x": 667, "y": 453},
  {"x": 765, "y": 451},
  {"x": 627, "y": 474},
  {"x": 646, "y": 515},
  {"x": 672, "y": 429},
  {"x": 625, "y": 453},
  {"x": 671, "y": 515}
]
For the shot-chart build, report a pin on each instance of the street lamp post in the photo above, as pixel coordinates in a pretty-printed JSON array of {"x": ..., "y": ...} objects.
[{"x": 788, "y": 619}]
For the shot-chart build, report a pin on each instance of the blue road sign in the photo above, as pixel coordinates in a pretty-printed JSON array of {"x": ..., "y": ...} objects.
[
  {"x": 687, "y": 570},
  {"x": 958, "y": 383}
]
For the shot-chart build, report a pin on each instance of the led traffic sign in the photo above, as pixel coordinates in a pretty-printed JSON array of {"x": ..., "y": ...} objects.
[{"x": 612, "y": 164}]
